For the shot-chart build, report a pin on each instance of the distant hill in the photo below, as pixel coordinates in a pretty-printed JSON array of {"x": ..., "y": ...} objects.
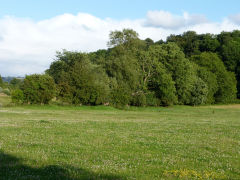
[{"x": 9, "y": 78}]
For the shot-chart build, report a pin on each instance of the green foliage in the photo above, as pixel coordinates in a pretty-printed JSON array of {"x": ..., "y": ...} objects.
[
  {"x": 120, "y": 96},
  {"x": 1, "y": 81},
  {"x": 122, "y": 37},
  {"x": 211, "y": 81},
  {"x": 183, "y": 70},
  {"x": 225, "y": 44},
  {"x": 78, "y": 80},
  {"x": 226, "y": 82},
  {"x": 208, "y": 42},
  {"x": 199, "y": 92},
  {"x": 17, "y": 96},
  {"x": 123, "y": 66},
  {"x": 151, "y": 99},
  {"x": 231, "y": 55},
  {"x": 38, "y": 89},
  {"x": 139, "y": 99},
  {"x": 6, "y": 91},
  {"x": 188, "y": 42},
  {"x": 15, "y": 83},
  {"x": 149, "y": 42},
  {"x": 156, "y": 77}
]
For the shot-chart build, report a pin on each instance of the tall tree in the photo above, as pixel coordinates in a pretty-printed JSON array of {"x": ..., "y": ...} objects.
[
  {"x": 226, "y": 81},
  {"x": 38, "y": 89},
  {"x": 78, "y": 80},
  {"x": 126, "y": 36}
]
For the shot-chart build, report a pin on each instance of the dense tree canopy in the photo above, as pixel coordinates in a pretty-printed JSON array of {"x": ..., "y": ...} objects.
[
  {"x": 79, "y": 81},
  {"x": 226, "y": 45},
  {"x": 188, "y": 69},
  {"x": 38, "y": 89},
  {"x": 226, "y": 82}
]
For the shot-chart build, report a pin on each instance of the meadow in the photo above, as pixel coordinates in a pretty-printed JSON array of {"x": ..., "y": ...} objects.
[{"x": 98, "y": 142}]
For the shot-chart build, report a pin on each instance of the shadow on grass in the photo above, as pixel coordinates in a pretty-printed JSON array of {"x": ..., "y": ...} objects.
[{"x": 11, "y": 168}]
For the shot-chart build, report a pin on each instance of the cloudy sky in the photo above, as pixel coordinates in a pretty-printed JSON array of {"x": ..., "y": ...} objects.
[{"x": 32, "y": 31}]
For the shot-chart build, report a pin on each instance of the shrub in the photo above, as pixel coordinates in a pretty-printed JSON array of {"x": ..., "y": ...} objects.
[
  {"x": 78, "y": 80},
  {"x": 6, "y": 91},
  {"x": 17, "y": 96},
  {"x": 120, "y": 97},
  {"x": 226, "y": 81},
  {"x": 151, "y": 99},
  {"x": 199, "y": 92},
  {"x": 38, "y": 89},
  {"x": 139, "y": 99}
]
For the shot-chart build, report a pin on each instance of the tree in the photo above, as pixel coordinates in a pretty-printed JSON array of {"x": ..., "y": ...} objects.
[
  {"x": 208, "y": 42},
  {"x": 155, "y": 77},
  {"x": 38, "y": 89},
  {"x": 1, "y": 81},
  {"x": 211, "y": 81},
  {"x": 226, "y": 82},
  {"x": 89, "y": 82},
  {"x": 122, "y": 66},
  {"x": 231, "y": 55},
  {"x": 181, "y": 69},
  {"x": 199, "y": 92},
  {"x": 122, "y": 37},
  {"x": 15, "y": 83},
  {"x": 188, "y": 42},
  {"x": 17, "y": 96},
  {"x": 149, "y": 42},
  {"x": 78, "y": 80}
]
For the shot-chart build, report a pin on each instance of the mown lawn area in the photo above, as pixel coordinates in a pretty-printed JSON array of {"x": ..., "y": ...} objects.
[{"x": 180, "y": 142}]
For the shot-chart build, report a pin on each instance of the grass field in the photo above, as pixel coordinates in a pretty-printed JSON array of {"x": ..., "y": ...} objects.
[{"x": 54, "y": 142}]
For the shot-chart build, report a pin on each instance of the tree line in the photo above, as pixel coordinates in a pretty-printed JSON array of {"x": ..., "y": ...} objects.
[{"x": 186, "y": 69}]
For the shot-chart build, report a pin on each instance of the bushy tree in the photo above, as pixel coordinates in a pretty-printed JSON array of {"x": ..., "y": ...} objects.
[
  {"x": 208, "y": 43},
  {"x": 199, "y": 92},
  {"x": 211, "y": 81},
  {"x": 231, "y": 55},
  {"x": 120, "y": 96},
  {"x": 124, "y": 37},
  {"x": 188, "y": 42},
  {"x": 38, "y": 89},
  {"x": 226, "y": 82},
  {"x": 1, "y": 82},
  {"x": 181, "y": 69},
  {"x": 15, "y": 83},
  {"x": 78, "y": 80},
  {"x": 155, "y": 76},
  {"x": 141, "y": 72},
  {"x": 122, "y": 65},
  {"x": 17, "y": 96}
]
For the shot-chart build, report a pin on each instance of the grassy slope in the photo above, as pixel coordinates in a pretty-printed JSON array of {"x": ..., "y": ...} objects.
[
  {"x": 50, "y": 142},
  {"x": 4, "y": 100}
]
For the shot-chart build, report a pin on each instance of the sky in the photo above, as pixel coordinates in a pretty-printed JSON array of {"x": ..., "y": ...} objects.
[{"x": 32, "y": 31}]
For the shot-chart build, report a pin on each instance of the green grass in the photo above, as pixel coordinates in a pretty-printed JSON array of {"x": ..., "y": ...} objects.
[
  {"x": 56, "y": 142},
  {"x": 4, "y": 100}
]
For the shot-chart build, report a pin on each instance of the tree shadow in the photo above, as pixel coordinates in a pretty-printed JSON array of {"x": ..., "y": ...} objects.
[{"x": 11, "y": 168}]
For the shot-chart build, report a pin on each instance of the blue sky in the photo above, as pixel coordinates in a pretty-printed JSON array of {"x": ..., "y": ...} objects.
[
  {"x": 31, "y": 31},
  {"x": 214, "y": 10}
]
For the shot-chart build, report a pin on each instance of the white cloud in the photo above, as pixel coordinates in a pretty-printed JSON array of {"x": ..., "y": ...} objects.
[
  {"x": 28, "y": 47},
  {"x": 167, "y": 20}
]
